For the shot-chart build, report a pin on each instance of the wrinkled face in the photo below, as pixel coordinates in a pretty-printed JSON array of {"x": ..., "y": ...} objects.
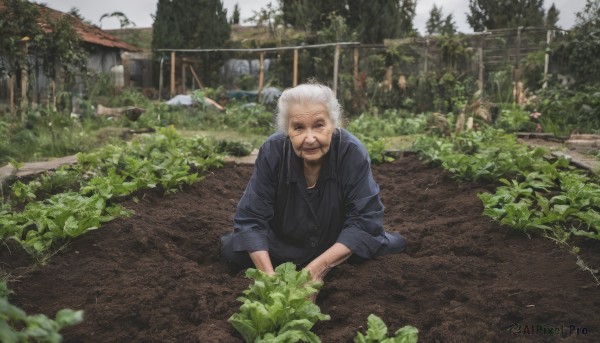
[{"x": 310, "y": 131}]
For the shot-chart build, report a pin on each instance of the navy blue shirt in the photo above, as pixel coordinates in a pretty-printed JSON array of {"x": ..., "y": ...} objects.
[{"x": 278, "y": 213}]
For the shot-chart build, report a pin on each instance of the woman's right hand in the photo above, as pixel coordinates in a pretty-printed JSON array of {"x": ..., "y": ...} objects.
[{"x": 262, "y": 261}]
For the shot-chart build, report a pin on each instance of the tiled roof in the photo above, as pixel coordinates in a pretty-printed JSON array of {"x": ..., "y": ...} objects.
[{"x": 87, "y": 33}]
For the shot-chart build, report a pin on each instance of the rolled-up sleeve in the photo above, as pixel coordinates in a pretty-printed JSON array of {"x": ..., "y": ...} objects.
[
  {"x": 255, "y": 209},
  {"x": 362, "y": 231}
]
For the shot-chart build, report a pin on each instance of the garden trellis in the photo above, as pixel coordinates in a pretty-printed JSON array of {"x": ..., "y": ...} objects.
[
  {"x": 494, "y": 60},
  {"x": 262, "y": 52},
  {"x": 489, "y": 53}
]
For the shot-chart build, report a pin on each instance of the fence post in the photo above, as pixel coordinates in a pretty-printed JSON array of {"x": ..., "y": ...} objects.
[
  {"x": 24, "y": 79},
  {"x": 480, "y": 81},
  {"x": 547, "y": 57},
  {"x": 355, "y": 69},
  {"x": 11, "y": 94},
  {"x": 261, "y": 75},
  {"x": 183, "y": 77},
  {"x": 160, "y": 77},
  {"x": 295, "y": 81},
  {"x": 126, "y": 61},
  {"x": 426, "y": 57},
  {"x": 172, "y": 74},
  {"x": 517, "y": 76},
  {"x": 336, "y": 60}
]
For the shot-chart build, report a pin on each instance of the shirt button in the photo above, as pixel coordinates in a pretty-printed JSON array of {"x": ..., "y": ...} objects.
[
  {"x": 313, "y": 244},
  {"x": 316, "y": 228}
]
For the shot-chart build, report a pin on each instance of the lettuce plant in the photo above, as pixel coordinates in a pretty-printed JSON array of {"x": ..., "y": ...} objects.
[
  {"x": 276, "y": 308},
  {"x": 377, "y": 332}
]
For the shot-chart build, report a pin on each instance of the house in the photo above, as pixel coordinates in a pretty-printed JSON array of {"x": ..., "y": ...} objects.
[{"x": 104, "y": 56}]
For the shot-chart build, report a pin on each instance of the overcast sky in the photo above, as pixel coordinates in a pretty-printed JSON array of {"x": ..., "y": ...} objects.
[{"x": 140, "y": 11}]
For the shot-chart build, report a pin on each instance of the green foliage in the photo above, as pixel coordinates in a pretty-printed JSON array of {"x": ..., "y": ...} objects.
[
  {"x": 377, "y": 332},
  {"x": 276, "y": 308},
  {"x": 55, "y": 47},
  {"x": 372, "y": 21},
  {"x": 537, "y": 195},
  {"x": 514, "y": 119},
  {"x": 60, "y": 48},
  {"x": 479, "y": 155},
  {"x": 16, "y": 326},
  {"x": 578, "y": 53},
  {"x": 164, "y": 160},
  {"x": 372, "y": 130},
  {"x": 18, "y": 24},
  {"x": 181, "y": 24},
  {"x": 311, "y": 15},
  {"x": 192, "y": 24},
  {"x": 533, "y": 69},
  {"x": 390, "y": 123},
  {"x": 566, "y": 110},
  {"x": 434, "y": 23},
  {"x": 233, "y": 148},
  {"x": 490, "y": 14}
]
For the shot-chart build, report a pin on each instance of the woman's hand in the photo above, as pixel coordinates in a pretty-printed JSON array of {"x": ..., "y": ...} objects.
[
  {"x": 262, "y": 261},
  {"x": 332, "y": 257},
  {"x": 321, "y": 265}
]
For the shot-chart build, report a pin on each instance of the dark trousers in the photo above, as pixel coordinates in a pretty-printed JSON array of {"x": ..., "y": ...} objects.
[{"x": 237, "y": 260}]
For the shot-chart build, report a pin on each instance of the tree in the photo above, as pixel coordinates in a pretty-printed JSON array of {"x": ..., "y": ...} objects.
[
  {"x": 311, "y": 15},
  {"x": 181, "y": 24},
  {"x": 192, "y": 24},
  {"x": 123, "y": 20},
  {"x": 449, "y": 26},
  {"x": 552, "y": 17},
  {"x": 17, "y": 26},
  {"x": 579, "y": 54},
  {"x": 235, "y": 18},
  {"x": 59, "y": 48},
  {"x": 376, "y": 20},
  {"x": 434, "y": 23},
  {"x": 494, "y": 14}
]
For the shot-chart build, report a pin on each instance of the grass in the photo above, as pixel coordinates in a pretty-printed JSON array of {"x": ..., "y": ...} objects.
[{"x": 229, "y": 135}]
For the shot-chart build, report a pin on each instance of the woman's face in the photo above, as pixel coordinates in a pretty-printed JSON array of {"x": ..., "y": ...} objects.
[{"x": 310, "y": 130}]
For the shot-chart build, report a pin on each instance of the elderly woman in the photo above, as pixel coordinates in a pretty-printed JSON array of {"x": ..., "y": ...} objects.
[{"x": 312, "y": 199}]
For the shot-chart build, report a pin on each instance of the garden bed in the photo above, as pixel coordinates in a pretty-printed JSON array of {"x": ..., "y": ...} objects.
[{"x": 157, "y": 276}]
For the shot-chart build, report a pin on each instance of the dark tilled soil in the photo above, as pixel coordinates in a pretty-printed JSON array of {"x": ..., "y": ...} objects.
[{"x": 157, "y": 276}]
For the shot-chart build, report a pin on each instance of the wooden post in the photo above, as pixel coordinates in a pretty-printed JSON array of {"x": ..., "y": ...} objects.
[
  {"x": 426, "y": 58},
  {"x": 261, "y": 75},
  {"x": 547, "y": 58},
  {"x": 200, "y": 85},
  {"x": 355, "y": 73},
  {"x": 388, "y": 78},
  {"x": 160, "y": 78},
  {"x": 172, "y": 74},
  {"x": 480, "y": 81},
  {"x": 183, "y": 77},
  {"x": 295, "y": 81},
  {"x": 11, "y": 94},
  {"x": 24, "y": 79},
  {"x": 126, "y": 70},
  {"x": 336, "y": 61},
  {"x": 53, "y": 93},
  {"x": 517, "y": 76}
]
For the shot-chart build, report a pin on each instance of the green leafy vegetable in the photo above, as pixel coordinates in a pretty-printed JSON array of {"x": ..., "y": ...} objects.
[
  {"x": 377, "y": 332},
  {"x": 276, "y": 308}
]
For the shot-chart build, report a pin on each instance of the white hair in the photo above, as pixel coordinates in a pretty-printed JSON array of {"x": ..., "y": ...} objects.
[{"x": 307, "y": 93}]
